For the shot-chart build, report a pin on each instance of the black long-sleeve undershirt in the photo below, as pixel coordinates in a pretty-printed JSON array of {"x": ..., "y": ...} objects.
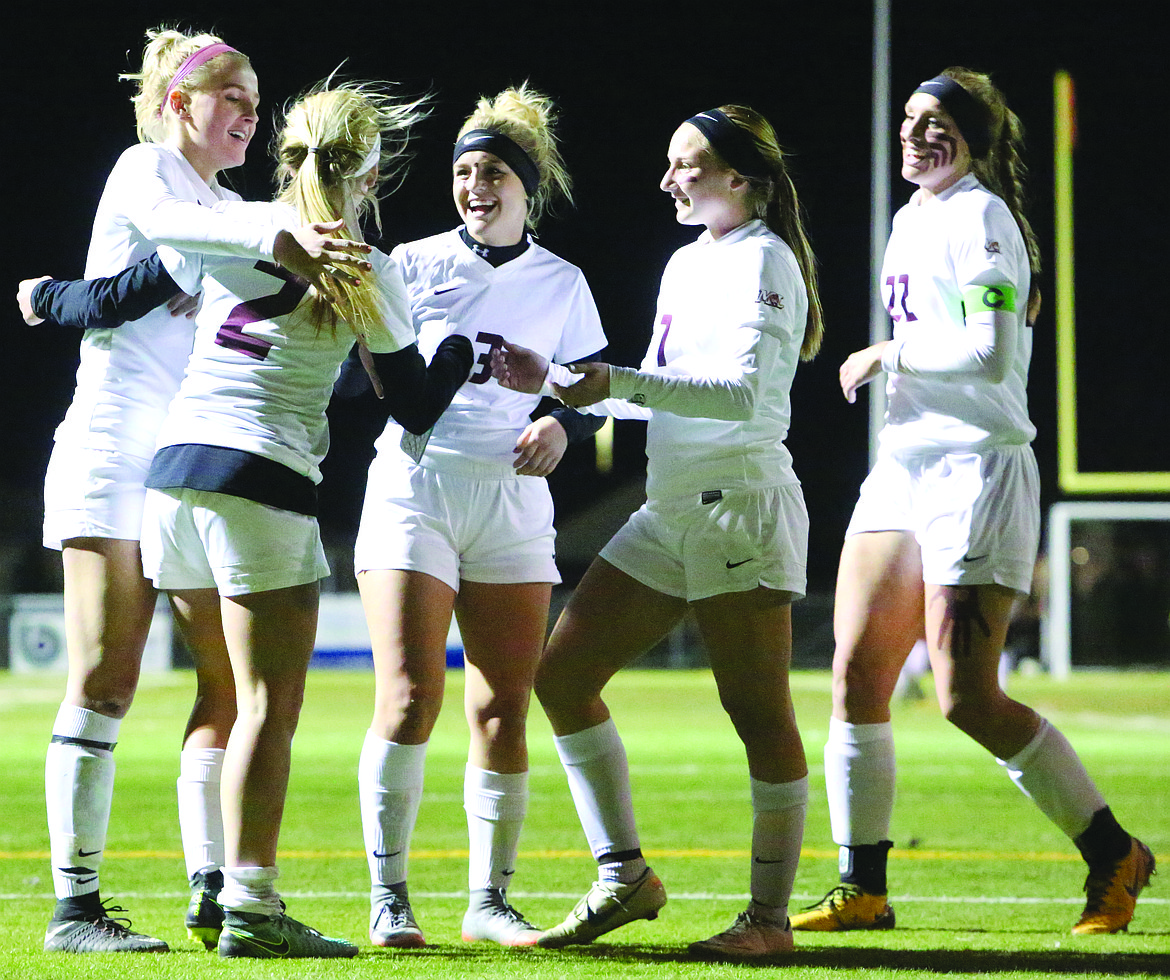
[
  {"x": 106, "y": 302},
  {"x": 417, "y": 393}
]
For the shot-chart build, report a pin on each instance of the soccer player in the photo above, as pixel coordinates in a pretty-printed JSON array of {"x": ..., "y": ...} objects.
[
  {"x": 723, "y": 531},
  {"x": 463, "y": 522},
  {"x": 196, "y": 108},
  {"x": 229, "y": 524},
  {"x": 944, "y": 535}
]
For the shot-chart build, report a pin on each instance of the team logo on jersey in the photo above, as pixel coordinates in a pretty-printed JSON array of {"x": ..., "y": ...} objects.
[
  {"x": 774, "y": 300},
  {"x": 638, "y": 399},
  {"x": 992, "y": 248}
]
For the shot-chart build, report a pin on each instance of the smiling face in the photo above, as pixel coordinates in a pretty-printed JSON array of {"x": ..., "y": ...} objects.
[
  {"x": 216, "y": 124},
  {"x": 705, "y": 191},
  {"x": 934, "y": 153},
  {"x": 490, "y": 198}
]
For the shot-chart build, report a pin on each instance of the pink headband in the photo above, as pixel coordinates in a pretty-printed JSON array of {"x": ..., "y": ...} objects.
[{"x": 202, "y": 56}]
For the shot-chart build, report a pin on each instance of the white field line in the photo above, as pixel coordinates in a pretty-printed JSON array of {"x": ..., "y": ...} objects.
[{"x": 674, "y": 896}]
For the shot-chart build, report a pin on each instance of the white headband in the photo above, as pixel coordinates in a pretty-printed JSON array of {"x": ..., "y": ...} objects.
[{"x": 371, "y": 159}]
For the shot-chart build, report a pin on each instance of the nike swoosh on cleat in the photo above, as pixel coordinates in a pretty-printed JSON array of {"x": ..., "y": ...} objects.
[
  {"x": 969, "y": 558},
  {"x": 85, "y": 854},
  {"x": 276, "y": 949},
  {"x": 736, "y": 564},
  {"x": 387, "y": 854},
  {"x": 762, "y": 861},
  {"x": 86, "y": 881}
]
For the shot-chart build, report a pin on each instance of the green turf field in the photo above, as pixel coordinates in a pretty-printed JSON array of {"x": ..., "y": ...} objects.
[{"x": 981, "y": 882}]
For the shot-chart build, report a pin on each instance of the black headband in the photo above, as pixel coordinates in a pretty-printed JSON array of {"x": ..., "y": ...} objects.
[
  {"x": 967, "y": 111},
  {"x": 734, "y": 143},
  {"x": 493, "y": 141}
]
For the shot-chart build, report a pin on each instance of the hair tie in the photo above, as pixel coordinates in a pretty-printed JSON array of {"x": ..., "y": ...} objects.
[
  {"x": 193, "y": 61},
  {"x": 969, "y": 114},
  {"x": 493, "y": 141},
  {"x": 733, "y": 143}
]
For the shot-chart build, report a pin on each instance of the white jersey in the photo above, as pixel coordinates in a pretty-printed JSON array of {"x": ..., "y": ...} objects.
[
  {"x": 728, "y": 329},
  {"x": 128, "y": 375},
  {"x": 537, "y": 300},
  {"x": 261, "y": 374},
  {"x": 939, "y": 245}
]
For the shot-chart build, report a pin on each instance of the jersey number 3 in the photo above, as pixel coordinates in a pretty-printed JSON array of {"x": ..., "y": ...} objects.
[{"x": 231, "y": 335}]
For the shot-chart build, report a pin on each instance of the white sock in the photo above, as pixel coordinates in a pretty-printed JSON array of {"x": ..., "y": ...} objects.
[
  {"x": 200, "y": 814},
  {"x": 599, "y": 779},
  {"x": 390, "y": 787},
  {"x": 1049, "y": 773},
  {"x": 251, "y": 890},
  {"x": 859, "y": 781},
  {"x": 79, "y": 788},
  {"x": 496, "y": 803},
  {"x": 778, "y": 811}
]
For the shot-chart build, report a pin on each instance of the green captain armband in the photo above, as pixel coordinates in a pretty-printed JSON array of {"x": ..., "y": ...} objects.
[{"x": 976, "y": 299}]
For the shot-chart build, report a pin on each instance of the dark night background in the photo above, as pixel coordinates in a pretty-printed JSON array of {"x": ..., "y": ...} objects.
[{"x": 624, "y": 76}]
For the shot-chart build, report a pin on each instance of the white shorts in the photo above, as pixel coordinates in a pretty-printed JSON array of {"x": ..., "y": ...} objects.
[
  {"x": 976, "y": 516},
  {"x": 93, "y": 493},
  {"x": 196, "y": 539},
  {"x": 475, "y": 528},
  {"x": 693, "y": 550}
]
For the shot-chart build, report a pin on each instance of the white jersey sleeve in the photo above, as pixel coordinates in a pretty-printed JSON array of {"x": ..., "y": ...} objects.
[
  {"x": 716, "y": 377},
  {"x": 536, "y": 300},
  {"x": 127, "y": 376},
  {"x": 144, "y": 182},
  {"x": 956, "y": 280},
  {"x": 396, "y": 330}
]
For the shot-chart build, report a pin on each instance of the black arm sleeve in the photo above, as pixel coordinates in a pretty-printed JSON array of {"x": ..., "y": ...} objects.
[
  {"x": 576, "y": 425},
  {"x": 107, "y": 302},
  {"x": 352, "y": 381},
  {"x": 418, "y": 393}
]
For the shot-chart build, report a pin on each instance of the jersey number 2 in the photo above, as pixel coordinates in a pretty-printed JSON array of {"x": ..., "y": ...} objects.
[{"x": 231, "y": 335}]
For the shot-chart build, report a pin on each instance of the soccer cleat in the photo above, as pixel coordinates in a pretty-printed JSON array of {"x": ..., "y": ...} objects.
[
  {"x": 392, "y": 924},
  {"x": 204, "y": 919},
  {"x": 491, "y": 917},
  {"x": 1113, "y": 890},
  {"x": 606, "y": 906},
  {"x": 99, "y": 932},
  {"x": 846, "y": 907},
  {"x": 247, "y": 934},
  {"x": 749, "y": 938}
]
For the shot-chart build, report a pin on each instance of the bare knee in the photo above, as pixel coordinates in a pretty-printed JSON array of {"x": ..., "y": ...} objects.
[
  {"x": 406, "y": 709},
  {"x": 861, "y": 692}
]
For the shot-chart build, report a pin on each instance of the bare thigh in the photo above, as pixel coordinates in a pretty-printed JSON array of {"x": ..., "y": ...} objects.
[
  {"x": 877, "y": 619},
  {"x": 408, "y": 615},
  {"x": 109, "y": 604},
  {"x": 610, "y": 620},
  {"x": 503, "y": 628},
  {"x": 749, "y": 641},
  {"x": 197, "y": 615},
  {"x": 966, "y": 627}
]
